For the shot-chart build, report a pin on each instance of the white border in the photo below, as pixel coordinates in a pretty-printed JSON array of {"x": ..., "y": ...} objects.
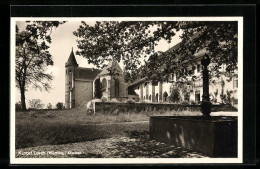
[{"x": 14, "y": 160}]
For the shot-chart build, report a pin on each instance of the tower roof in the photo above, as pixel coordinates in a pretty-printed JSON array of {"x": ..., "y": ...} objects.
[
  {"x": 72, "y": 60},
  {"x": 112, "y": 64}
]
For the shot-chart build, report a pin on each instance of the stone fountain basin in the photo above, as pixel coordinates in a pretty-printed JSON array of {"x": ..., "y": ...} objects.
[{"x": 216, "y": 136}]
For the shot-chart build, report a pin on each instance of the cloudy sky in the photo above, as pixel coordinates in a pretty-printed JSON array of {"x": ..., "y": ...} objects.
[{"x": 63, "y": 41}]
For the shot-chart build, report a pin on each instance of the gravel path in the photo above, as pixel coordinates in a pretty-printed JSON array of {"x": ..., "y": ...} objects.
[{"x": 136, "y": 145}]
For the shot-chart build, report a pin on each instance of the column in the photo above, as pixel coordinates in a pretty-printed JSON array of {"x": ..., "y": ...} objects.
[
  {"x": 205, "y": 105},
  {"x": 153, "y": 93},
  {"x": 160, "y": 91},
  {"x": 141, "y": 91}
]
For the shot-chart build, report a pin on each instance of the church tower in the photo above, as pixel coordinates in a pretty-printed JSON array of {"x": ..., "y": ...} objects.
[{"x": 70, "y": 68}]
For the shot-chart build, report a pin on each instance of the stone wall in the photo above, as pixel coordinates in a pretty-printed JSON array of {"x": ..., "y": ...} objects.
[
  {"x": 216, "y": 137},
  {"x": 107, "y": 107},
  {"x": 83, "y": 92}
]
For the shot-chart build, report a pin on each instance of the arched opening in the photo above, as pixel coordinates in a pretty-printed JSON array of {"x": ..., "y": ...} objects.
[
  {"x": 97, "y": 89},
  {"x": 157, "y": 97},
  {"x": 150, "y": 97},
  {"x": 197, "y": 96},
  {"x": 104, "y": 84},
  {"x": 165, "y": 95}
]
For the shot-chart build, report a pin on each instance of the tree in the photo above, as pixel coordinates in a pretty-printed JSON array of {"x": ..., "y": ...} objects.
[
  {"x": 36, "y": 104},
  {"x": 175, "y": 95},
  {"x": 49, "y": 106},
  {"x": 132, "y": 41},
  {"x": 59, "y": 105},
  {"x": 32, "y": 56}
]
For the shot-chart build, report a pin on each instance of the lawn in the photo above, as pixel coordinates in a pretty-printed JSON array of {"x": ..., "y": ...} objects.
[
  {"x": 52, "y": 127},
  {"x": 80, "y": 116}
]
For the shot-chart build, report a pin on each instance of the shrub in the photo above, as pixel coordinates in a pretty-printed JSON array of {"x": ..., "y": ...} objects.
[
  {"x": 103, "y": 99},
  {"x": 18, "y": 106},
  {"x": 59, "y": 105},
  {"x": 36, "y": 104},
  {"x": 96, "y": 100},
  {"x": 184, "y": 102},
  {"x": 175, "y": 95},
  {"x": 145, "y": 101},
  {"x": 114, "y": 100},
  {"x": 130, "y": 101},
  {"x": 90, "y": 105},
  {"x": 49, "y": 106}
]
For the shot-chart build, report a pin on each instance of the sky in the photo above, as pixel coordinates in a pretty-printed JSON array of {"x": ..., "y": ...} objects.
[{"x": 63, "y": 41}]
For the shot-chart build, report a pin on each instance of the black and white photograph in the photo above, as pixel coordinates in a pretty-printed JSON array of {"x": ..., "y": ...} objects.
[{"x": 111, "y": 90}]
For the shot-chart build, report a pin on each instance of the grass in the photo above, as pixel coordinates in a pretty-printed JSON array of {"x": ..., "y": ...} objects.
[
  {"x": 50, "y": 127},
  {"x": 80, "y": 116}
]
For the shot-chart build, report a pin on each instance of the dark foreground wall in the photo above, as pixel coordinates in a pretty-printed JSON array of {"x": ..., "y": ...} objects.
[
  {"x": 216, "y": 137},
  {"x": 107, "y": 107}
]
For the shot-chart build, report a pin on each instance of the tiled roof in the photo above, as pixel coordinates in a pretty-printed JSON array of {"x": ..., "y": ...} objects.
[
  {"x": 172, "y": 49},
  {"x": 137, "y": 82},
  {"x": 86, "y": 73},
  {"x": 113, "y": 64},
  {"x": 72, "y": 60}
]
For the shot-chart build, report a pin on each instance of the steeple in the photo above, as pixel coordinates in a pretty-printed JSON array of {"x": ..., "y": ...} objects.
[{"x": 72, "y": 60}]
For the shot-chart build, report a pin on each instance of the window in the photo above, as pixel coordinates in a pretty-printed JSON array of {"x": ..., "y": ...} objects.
[
  {"x": 171, "y": 77},
  {"x": 104, "y": 84},
  {"x": 235, "y": 83}
]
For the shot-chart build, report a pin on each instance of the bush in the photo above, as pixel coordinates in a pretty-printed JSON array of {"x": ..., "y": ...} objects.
[
  {"x": 96, "y": 100},
  {"x": 103, "y": 99},
  {"x": 49, "y": 106},
  {"x": 146, "y": 101},
  {"x": 114, "y": 100},
  {"x": 175, "y": 95},
  {"x": 36, "y": 104},
  {"x": 184, "y": 102},
  {"x": 130, "y": 101},
  {"x": 18, "y": 106},
  {"x": 59, "y": 105}
]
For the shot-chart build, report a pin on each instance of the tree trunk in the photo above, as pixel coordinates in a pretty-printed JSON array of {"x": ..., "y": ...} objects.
[{"x": 22, "y": 91}]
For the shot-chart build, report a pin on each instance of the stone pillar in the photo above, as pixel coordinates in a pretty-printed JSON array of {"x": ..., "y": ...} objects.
[
  {"x": 160, "y": 91},
  {"x": 205, "y": 105},
  {"x": 153, "y": 93},
  {"x": 141, "y": 91}
]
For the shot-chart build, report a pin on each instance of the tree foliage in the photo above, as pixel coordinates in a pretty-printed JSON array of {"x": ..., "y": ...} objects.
[
  {"x": 49, "y": 106},
  {"x": 59, "y": 105},
  {"x": 36, "y": 104},
  {"x": 133, "y": 41},
  {"x": 32, "y": 56}
]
